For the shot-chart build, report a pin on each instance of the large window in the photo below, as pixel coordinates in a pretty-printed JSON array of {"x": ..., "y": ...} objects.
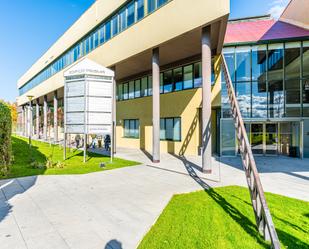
[
  {"x": 168, "y": 81},
  {"x": 115, "y": 25},
  {"x": 170, "y": 129},
  {"x": 292, "y": 60},
  {"x": 131, "y": 89},
  {"x": 131, "y": 14},
  {"x": 178, "y": 79},
  {"x": 229, "y": 55},
  {"x": 259, "y": 99},
  {"x": 131, "y": 128},
  {"x": 292, "y": 92},
  {"x": 258, "y": 58},
  {"x": 140, "y": 9},
  {"x": 151, "y": 5},
  {"x": 198, "y": 74},
  {"x": 243, "y": 92},
  {"x": 144, "y": 87},
  {"x": 188, "y": 77},
  {"x": 243, "y": 67}
]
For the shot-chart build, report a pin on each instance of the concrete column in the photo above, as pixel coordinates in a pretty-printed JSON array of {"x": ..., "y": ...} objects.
[
  {"x": 23, "y": 121},
  {"x": 55, "y": 117},
  {"x": 206, "y": 100},
  {"x": 45, "y": 118},
  {"x": 37, "y": 110},
  {"x": 155, "y": 106},
  {"x": 114, "y": 115},
  {"x": 30, "y": 120}
]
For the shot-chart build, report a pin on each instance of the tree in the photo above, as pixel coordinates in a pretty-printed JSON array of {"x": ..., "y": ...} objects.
[{"x": 5, "y": 138}]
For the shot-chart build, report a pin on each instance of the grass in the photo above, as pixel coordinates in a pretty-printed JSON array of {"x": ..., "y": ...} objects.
[
  {"x": 223, "y": 218},
  {"x": 41, "y": 151}
]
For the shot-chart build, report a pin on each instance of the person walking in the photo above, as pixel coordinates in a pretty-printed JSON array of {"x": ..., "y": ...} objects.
[{"x": 77, "y": 140}]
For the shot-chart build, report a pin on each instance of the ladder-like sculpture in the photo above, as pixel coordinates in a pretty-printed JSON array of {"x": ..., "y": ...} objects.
[{"x": 263, "y": 217}]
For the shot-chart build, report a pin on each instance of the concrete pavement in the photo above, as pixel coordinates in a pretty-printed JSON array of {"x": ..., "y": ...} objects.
[{"x": 114, "y": 209}]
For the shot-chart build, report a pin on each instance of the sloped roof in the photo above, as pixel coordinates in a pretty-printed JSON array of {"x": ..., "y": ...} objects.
[{"x": 261, "y": 30}]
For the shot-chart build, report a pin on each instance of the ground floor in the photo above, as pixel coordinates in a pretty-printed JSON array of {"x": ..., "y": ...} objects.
[{"x": 115, "y": 209}]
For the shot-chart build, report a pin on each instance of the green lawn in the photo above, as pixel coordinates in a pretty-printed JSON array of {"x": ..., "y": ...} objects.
[
  {"x": 40, "y": 152},
  {"x": 223, "y": 218}
]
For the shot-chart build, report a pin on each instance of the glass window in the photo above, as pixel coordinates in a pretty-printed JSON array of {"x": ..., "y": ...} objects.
[
  {"x": 108, "y": 29},
  {"x": 188, "y": 77},
  {"x": 275, "y": 62},
  {"x": 243, "y": 68},
  {"x": 258, "y": 58},
  {"x": 130, "y": 14},
  {"x": 306, "y": 97},
  {"x": 198, "y": 74},
  {"x": 292, "y": 98},
  {"x": 140, "y": 9},
  {"x": 243, "y": 93},
  {"x": 306, "y": 59},
  {"x": 131, "y": 89},
  {"x": 137, "y": 92},
  {"x": 120, "y": 92},
  {"x": 115, "y": 25},
  {"x": 151, "y": 5},
  {"x": 123, "y": 19},
  {"x": 161, "y": 82},
  {"x": 144, "y": 87},
  {"x": 229, "y": 55},
  {"x": 259, "y": 99},
  {"x": 149, "y": 85},
  {"x": 292, "y": 60},
  {"x": 275, "y": 99},
  {"x": 228, "y": 140},
  {"x": 131, "y": 128},
  {"x": 178, "y": 78},
  {"x": 168, "y": 81},
  {"x": 170, "y": 129},
  {"x": 126, "y": 91},
  {"x": 101, "y": 35},
  {"x": 161, "y": 2},
  {"x": 96, "y": 39}
]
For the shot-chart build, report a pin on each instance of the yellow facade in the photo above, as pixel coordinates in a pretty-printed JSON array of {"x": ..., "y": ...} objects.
[{"x": 185, "y": 104}]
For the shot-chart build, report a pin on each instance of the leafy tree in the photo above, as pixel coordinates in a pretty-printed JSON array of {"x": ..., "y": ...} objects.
[{"x": 5, "y": 138}]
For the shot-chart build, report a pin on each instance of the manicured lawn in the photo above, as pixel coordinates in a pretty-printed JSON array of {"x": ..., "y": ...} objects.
[
  {"x": 40, "y": 152},
  {"x": 223, "y": 218}
]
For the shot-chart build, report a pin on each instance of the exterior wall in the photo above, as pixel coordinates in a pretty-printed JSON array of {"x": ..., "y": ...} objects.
[{"x": 296, "y": 13}]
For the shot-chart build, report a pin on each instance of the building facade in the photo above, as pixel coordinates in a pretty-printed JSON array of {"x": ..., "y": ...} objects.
[{"x": 170, "y": 96}]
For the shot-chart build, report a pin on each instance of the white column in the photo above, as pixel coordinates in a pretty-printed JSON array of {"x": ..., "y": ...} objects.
[
  {"x": 55, "y": 117},
  {"x": 155, "y": 106},
  {"x": 206, "y": 100},
  {"x": 45, "y": 118},
  {"x": 23, "y": 121},
  {"x": 37, "y": 110}
]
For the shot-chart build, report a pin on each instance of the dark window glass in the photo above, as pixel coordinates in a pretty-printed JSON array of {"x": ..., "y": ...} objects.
[
  {"x": 161, "y": 82},
  {"x": 96, "y": 39},
  {"x": 243, "y": 93},
  {"x": 108, "y": 30},
  {"x": 120, "y": 91},
  {"x": 130, "y": 14},
  {"x": 259, "y": 99},
  {"x": 305, "y": 58},
  {"x": 140, "y": 9},
  {"x": 115, "y": 25},
  {"x": 212, "y": 72},
  {"x": 178, "y": 78},
  {"x": 275, "y": 62},
  {"x": 170, "y": 129},
  {"x": 306, "y": 97},
  {"x": 168, "y": 81},
  {"x": 292, "y": 98},
  {"x": 131, "y": 128},
  {"x": 161, "y": 2},
  {"x": 243, "y": 69},
  {"x": 258, "y": 58},
  {"x": 126, "y": 91},
  {"x": 151, "y": 5},
  {"x": 149, "y": 85},
  {"x": 137, "y": 92},
  {"x": 101, "y": 35},
  {"x": 198, "y": 74},
  {"x": 275, "y": 99},
  {"x": 123, "y": 19},
  {"x": 144, "y": 87},
  {"x": 131, "y": 89},
  {"x": 292, "y": 60},
  {"x": 188, "y": 77}
]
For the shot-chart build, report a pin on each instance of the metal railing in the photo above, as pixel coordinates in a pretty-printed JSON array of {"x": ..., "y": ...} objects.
[{"x": 263, "y": 217}]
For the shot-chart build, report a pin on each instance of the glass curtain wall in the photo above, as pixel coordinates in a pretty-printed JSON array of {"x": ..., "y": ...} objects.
[{"x": 305, "y": 78}]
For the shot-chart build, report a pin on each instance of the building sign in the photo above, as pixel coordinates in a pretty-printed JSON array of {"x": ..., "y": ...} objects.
[{"x": 88, "y": 98}]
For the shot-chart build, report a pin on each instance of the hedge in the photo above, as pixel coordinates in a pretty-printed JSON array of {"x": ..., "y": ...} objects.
[{"x": 5, "y": 138}]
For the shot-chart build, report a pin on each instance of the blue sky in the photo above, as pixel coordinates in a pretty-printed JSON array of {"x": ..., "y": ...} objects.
[{"x": 29, "y": 27}]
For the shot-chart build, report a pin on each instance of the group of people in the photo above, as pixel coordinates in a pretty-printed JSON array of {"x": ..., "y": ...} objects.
[{"x": 95, "y": 143}]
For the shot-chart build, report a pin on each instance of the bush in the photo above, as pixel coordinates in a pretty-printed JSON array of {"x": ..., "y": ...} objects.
[{"x": 5, "y": 138}]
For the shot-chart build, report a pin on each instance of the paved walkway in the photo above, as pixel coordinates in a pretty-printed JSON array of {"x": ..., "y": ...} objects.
[{"x": 114, "y": 209}]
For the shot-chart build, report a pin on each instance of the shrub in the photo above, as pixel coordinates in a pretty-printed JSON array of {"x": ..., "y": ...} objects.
[{"x": 5, "y": 138}]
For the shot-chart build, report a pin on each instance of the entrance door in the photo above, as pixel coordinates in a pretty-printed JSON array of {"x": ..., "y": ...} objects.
[
  {"x": 271, "y": 138},
  {"x": 257, "y": 138}
]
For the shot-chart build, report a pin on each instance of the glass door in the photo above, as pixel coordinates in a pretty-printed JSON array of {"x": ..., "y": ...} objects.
[
  {"x": 257, "y": 138},
  {"x": 271, "y": 137}
]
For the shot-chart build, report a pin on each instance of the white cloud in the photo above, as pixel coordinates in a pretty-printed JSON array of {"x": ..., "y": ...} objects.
[{"x": 277, "y": 7}]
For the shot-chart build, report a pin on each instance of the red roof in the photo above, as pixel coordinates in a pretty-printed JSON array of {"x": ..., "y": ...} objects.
[{"x": 259, "y": 30}]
